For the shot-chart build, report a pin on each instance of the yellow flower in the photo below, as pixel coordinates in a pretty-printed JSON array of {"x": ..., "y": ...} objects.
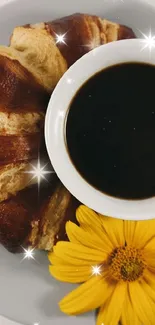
[{"x": 115, "y": 262}]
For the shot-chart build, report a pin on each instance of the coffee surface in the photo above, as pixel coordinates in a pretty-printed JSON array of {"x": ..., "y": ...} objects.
[{"x": 110, "y": 131}]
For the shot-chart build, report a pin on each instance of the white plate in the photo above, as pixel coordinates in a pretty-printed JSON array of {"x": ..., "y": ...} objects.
[{"x": 28, "y": 294}]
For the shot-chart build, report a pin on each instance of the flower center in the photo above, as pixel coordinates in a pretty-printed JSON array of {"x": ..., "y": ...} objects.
[{"x": 126, "y": 263}]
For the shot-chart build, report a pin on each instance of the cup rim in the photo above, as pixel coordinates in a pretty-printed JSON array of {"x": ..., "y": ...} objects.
[{"x": 103, "y": 56}]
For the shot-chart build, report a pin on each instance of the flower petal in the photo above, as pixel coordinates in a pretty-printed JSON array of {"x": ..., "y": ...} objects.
[
  {"x": 111, "y": 227},
  {"x": 144, "y": 231},
  {"x": 129, "y": 231},
  {"x": 114, "y": 229},
  {"x": 55, "y": 260},
  {"x": 129, "y": 316},
  {"x": 150, "y": 245},
  {"x": 79, "y": 236},
  {"x": 88, "y": 296},
  {"x": 148, "y": 290},
  {"x": 149, "y": 259},
  {"x": 91, "y": 223},
  {"x": 77, "y": 254},
  {"x": 86, "y": 216},
  {"x": 149, "y": 279},
  {"x": 70, "y": 273},
  {"x": 143, "y": 305},
  {"x": 110, "y": 313}
]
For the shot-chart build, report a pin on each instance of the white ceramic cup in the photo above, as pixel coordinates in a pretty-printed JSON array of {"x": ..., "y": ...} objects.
[{"x": 55, "y": 123}]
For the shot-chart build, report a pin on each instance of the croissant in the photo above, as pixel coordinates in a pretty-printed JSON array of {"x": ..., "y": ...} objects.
[
  {"x": 38, "y": 48},
  {"x": 29, "y": 70}
]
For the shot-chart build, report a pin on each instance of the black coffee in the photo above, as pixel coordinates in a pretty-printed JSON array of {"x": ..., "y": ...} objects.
[{"x": 110, "y": 130}]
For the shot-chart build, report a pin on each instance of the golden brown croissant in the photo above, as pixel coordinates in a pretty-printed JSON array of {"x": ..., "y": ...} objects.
[
  {"x": 37, "y": 221},
  {"x": 30, "y": 68},
  {"x": 39, "y": 50},
  {"x": 22, "y": 105}
]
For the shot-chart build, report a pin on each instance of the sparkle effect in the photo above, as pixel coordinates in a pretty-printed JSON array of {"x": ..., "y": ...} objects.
[
  {"x": 69, "y": 81},
  {"x": 60, "y": 38},
  {"x": 39, "y": 172},
  {"x": 96, "y": 270},
  {"x": 91, "y": 46},
  {"x": 149, "y": 41},
  {"x": 28, "y": 254}
]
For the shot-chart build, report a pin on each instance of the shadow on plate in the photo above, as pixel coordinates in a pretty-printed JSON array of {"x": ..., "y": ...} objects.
[{"x": 48, "y": 304}]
